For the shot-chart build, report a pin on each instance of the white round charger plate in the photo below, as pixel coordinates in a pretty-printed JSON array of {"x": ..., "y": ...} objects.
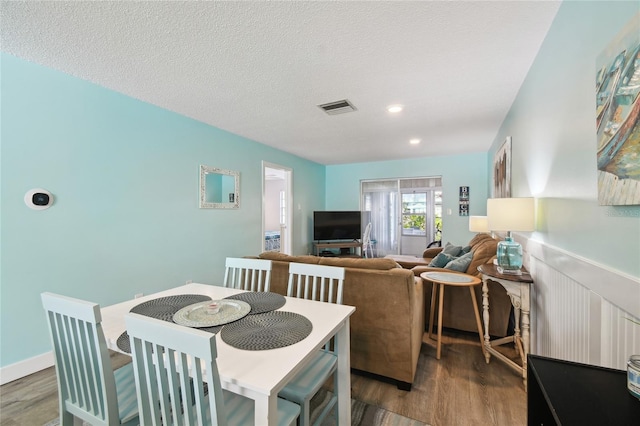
[{"x": 197, "y": 315}]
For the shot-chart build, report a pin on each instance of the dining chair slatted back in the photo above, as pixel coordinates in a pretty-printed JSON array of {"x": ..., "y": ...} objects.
[
  {"x": 316, "y": 282},
  {"x": 88, "y": 387},
  {"x": 247, "y": 274},
  {"x": 172, "y": 363},
  {"x": 324, "y": 284},
  {"x": 162, "y": 372}
]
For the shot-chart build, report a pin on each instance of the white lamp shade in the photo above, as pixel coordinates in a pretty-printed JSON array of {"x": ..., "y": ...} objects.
[
  {"x": 511, "y": 214},
  {"x": 478, "y": 224}
]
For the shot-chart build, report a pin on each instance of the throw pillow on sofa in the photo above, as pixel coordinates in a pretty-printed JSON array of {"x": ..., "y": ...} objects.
[
  {"x": 451, "y": 250},
  {"x": 460, "y": 264},
  {"x": 441, "y": 260}
]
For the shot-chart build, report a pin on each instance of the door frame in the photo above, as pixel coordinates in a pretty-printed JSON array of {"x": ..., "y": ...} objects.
[{"x": 287, "y": 228}]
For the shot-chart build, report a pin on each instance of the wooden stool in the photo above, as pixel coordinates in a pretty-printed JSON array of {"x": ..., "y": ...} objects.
[{"x": 442, "y": 279}]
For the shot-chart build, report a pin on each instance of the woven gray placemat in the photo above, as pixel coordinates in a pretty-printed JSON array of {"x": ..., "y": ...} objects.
[
  {"x": 165, "y": 307},
  {"x": 269, "y": 330},
  {"x": 162, "y": 308},
  {"x": 260, "y": 301}
]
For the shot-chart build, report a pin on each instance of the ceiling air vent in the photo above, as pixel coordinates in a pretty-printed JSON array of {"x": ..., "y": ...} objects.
[{"x": 338, "y": 107}]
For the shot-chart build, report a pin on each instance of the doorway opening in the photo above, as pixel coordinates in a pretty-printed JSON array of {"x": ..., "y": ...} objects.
[
  {"x": 405, "y": 214},
  {"x": 277, "y": 202}
]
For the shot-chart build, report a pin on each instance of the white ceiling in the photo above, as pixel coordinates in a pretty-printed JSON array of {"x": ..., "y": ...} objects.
[{"x": 259, "y": 69}]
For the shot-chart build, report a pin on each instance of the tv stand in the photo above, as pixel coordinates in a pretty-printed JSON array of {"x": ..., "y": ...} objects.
[{"x": 355, "y": 245}]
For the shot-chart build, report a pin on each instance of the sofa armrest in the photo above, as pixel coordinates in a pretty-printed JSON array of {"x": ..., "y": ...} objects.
[
  {"x": 388, "y": 324},
  {"x": 420, "y": 269},
  {"x": 432, "y": 252}
]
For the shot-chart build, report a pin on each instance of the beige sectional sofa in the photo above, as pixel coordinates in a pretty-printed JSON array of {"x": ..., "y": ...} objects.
[{"x": 388, "y": 324}]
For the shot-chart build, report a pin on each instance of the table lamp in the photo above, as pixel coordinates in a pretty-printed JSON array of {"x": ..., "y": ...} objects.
[
  {"x": 478, "y": 224},
  {"x": 510, "y": 214}
]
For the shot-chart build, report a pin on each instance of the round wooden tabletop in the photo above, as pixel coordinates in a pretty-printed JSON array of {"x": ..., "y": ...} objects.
[{"x": 451, "y": 278}]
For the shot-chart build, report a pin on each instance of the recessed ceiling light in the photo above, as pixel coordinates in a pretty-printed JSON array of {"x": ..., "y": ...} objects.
[
  {"x": 395, "y": 108},
  {"x": 415, "y": 141}
]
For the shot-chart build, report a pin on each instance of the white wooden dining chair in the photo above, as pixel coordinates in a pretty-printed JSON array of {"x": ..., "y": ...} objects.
[
  {"x": 247, "y": 274},
  {"x": 325, "y": 284},
  {"x": 88, "y": 387},
  {"x": 165, "y": 355}
]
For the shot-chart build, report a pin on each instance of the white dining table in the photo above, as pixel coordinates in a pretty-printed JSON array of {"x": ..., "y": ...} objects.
[{"x": 261, "y": 374}]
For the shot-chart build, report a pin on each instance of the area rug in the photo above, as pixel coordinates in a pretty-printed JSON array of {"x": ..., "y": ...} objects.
[{"x": 362, "y": 414}]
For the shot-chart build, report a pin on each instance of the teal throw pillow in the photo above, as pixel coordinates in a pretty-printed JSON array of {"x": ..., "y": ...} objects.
[
  {"x": 464, "y": 250},
  {"x": 452, "y": 250},
  {"x": 461, "y": 263},
  {"x": 441, "y": 260}
]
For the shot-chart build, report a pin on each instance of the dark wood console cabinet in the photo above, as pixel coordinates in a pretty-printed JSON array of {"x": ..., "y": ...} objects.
[{"x": 568, "y": 393}]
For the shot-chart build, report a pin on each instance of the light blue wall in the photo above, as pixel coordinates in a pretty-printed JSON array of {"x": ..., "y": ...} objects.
[
  {"x": 343, "y": 185},
  {"x": 125, "y": 220},
  {"x": 125, "y": 176},
  {"x": 552, "y": 123}
]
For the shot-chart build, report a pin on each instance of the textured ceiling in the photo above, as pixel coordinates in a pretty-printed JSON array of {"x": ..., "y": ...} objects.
[{"x": 258, "y": 69}]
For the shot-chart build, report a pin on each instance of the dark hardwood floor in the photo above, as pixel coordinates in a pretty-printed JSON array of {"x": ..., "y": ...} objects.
[{"x": 458, "y": 389}]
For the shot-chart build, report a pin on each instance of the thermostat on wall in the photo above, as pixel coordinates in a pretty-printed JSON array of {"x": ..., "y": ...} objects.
[{"x": 38, "y": 199}]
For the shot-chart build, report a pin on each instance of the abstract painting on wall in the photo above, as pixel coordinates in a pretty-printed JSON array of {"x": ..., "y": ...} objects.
[
  {"x": 502, "y": 170},
  {"x": 617, "y": 111}
]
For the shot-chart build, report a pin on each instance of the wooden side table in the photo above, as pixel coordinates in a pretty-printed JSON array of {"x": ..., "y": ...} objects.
[
  {"x": 442, "y": 279},
  {"x": 518, "y": 288}
]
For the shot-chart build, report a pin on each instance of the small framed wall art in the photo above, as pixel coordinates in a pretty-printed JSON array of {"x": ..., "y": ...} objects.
[
  {"x": 502, "y": 171},
  {"x": 464, "y": 201}
]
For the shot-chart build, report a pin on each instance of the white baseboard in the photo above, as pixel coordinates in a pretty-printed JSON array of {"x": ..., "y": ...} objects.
[{"x": 24, "y": 368}]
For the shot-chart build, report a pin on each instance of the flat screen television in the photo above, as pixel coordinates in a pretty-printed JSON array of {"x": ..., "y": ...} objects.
[{"x": 337, "y": 225}]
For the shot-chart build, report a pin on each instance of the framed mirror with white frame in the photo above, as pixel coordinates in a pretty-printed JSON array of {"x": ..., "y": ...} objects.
[{"x": 219, "y": 188}]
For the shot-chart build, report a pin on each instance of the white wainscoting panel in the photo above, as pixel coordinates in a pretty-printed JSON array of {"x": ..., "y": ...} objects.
[
  {"x": 620, "y": 336},
  {"x": 581, "y": 310},
  {"x": 562, "y": 313}
]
